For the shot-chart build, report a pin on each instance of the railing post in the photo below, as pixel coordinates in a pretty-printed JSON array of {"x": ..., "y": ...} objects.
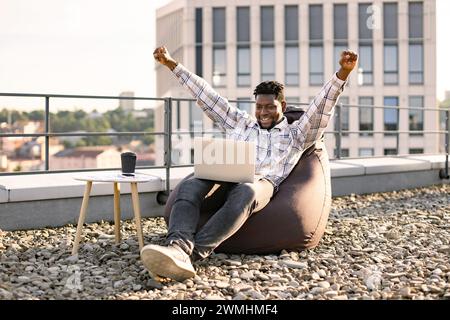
[
  {"x": 162, "y": 196},
  {"x": 47, "y": 129},
  {"x": 443, "y": 173},
  {"x": 168, "y": 140},
  {"x": 338, "y": 134},
  {"x": 397, "y": 136}
]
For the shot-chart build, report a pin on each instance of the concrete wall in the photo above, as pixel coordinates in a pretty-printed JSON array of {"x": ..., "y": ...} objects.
[{"x": 29, "y": 201}]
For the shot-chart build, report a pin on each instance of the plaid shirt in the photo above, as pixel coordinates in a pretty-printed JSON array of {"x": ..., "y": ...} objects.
[{"x": 278, "y": 149}]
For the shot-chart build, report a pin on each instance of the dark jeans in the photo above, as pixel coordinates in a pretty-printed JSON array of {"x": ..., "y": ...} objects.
[{"x": 243, "y": 199}]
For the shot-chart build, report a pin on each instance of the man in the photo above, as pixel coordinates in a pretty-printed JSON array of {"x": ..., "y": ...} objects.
[{"x": 279, "y": 147}]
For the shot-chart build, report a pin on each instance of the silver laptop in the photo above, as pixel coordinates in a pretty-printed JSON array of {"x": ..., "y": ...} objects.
[{"x": 224, "y": 159}]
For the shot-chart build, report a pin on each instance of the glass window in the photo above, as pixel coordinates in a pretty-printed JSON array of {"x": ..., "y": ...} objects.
[
  {"x": 219, "y": 26},
  {"x": 390, "y": 64},
  {"x": 219, "y": 66},
  {"x": 315, "y": 65},
  {"x": 364, "y": 20},
  {"x": 340, "y": 21},
  {"x": 345, "y": 115},
  {"x": 366, "y": 64},
  {"x": 243, "y": 66},
  {"x": 391, "y": 151},
  {"x": 245, "y": 106},
  {"x": 219, "y": 51},
  {"x": 442, "y": 118},
  {"x": 391, "y": 114},
  {"x": 415, "y": 115},
  {"x": 243, "y": 24},
  {"x": 291, "y": 23},
  {"x": 292, "y": 100},
  {"x": 390, "y": 25},
  {"x": 344, "y": 153},
  {"x": 415, "y": 19},
  {"x": 198, "y": 25},
  {"x": 291, "y": 65},
  {"x": 365, "y": 115},
  {"x": 415, "y": 63},
  {"x": 415, "y": 151},
  {"x": 365, "y": 152},
  {"x": 315, "y": 22},
  {"x": 195, "y": 117},
  {"x": 267, "y": 63},
  {"x": 267, "y": 23},
  {"x": 199, "y": 41}
]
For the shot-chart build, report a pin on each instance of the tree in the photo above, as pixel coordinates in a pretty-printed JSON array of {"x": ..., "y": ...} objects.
[
  {"x": 36, "y": 115},
  {"x": 148, "y": 139},
  {"x": 79, "y": 114}
]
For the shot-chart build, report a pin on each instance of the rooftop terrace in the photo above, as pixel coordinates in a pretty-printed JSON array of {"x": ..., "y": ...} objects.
[{"x": 393, "y": 245}]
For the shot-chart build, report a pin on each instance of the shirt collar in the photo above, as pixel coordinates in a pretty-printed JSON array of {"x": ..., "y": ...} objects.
[{"x": 282, "y": 125}]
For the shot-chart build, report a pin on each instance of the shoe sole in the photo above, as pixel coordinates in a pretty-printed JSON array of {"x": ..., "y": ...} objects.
[{"x": 164, "y": 266}]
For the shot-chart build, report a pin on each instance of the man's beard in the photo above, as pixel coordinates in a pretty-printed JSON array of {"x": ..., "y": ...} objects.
[{"x": 269, "y": 127}]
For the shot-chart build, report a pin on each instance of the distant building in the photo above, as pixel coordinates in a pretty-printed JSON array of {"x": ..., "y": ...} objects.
[
  {"x": 3, "y": 162},
  {"x": 127, "y": 104},
  {"x": 29, "y": 150},
  {"x": 86, "y": 157},
  {"x": 445, "y": 106},
  {"x": 27, "y": 127},
  {"x": 236, "y": 45},
  {"x": 9, "y": 145},
  {"x": 23, "y": 164}
]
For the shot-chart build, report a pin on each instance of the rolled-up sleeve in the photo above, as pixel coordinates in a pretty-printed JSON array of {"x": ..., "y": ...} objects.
[{"x": 313, "y": 123}]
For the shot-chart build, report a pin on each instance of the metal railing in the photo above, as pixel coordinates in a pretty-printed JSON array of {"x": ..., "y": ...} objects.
[
  {"x": 47, "y": 134},
  {"x": 168, "y": 131}
]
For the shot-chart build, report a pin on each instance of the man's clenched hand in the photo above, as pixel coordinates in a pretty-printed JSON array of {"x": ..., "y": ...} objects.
[
  {"x": 348, "y": 62},
  {"x": 161, "y": 54}
]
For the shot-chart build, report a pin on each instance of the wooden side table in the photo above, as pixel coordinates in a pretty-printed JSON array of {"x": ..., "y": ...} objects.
[{"x": 115, "y": 178}]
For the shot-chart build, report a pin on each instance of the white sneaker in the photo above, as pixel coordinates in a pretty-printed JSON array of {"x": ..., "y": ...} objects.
[{"x": 170, "y": 262}]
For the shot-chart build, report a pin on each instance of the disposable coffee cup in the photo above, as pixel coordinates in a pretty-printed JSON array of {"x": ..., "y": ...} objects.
[{"x": 128, "y": 163}]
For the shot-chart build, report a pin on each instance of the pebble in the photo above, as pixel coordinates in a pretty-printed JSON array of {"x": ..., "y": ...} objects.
[
  {"x": 222, "y": 284},
  {"x": 247, "y": 275},
  {"x": 293, "y": 283},
  {"x": 233, "y": 262},
  {"x": 322, "y": 273},
  {"x": 239, "y": 296},
  {"x": 5, "y": 295},
  {"x": 294, "y": 264},
  {"x": 324, "y": 284},
  {"x": 405, "y": 292},
  {"x": 331, "y": 294},
  {"x": 263, "y": 277},
  {"x": 23, "y": 279},
  {"x": 315, "y": 276}
]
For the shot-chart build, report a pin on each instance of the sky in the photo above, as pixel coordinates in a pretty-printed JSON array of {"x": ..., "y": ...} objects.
[{"x": 103, "y": 47}]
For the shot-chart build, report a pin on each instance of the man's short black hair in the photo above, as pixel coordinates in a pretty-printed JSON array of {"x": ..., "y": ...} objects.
[{"x": 270, "y": 87}]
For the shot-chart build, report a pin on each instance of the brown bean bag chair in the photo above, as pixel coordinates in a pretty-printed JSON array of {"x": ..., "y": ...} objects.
[{"x": 294, "y": 219}]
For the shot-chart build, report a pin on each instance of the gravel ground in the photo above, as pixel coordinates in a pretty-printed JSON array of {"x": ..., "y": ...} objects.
[{"x": 380, "y": 246}]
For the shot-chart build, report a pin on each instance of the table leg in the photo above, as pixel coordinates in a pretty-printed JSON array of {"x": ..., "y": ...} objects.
[
  {"x": 84, "y": 205},
  {"x": 117, "y": 211},
  {"x": 137, "y": 213}
]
